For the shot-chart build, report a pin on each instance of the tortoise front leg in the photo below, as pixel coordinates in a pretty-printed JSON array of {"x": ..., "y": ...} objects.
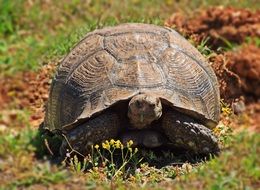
[
  {"x": 94, "y": 131},
  {"x": 184, "y": 132}
]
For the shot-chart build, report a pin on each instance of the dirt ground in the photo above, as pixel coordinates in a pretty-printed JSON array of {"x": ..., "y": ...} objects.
[
  {"x": 237, "y": 69},
  {"x": 221, "y": 25},
  {"x": 26, "y": 90}
]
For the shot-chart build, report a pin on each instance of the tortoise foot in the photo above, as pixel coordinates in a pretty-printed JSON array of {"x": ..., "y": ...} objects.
[
  {"x": 184, "y": 132},
  {"x": 94, "y": 131}
]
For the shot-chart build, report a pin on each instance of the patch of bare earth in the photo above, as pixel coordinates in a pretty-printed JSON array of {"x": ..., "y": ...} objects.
[
  {"x": 238, "y": 74},
  {"x": 218, "y": 23},
  {"x": 245, "y": 62},
  {"x": 25, "y": 90}
]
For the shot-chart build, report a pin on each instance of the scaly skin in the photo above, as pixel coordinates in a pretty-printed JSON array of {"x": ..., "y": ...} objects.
[
  {"x": 94, "y": 131},
  {"x": 185, "y": 132}
]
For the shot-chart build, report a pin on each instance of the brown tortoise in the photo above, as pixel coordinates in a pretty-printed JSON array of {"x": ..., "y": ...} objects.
[{"x": 135, "y": 81}]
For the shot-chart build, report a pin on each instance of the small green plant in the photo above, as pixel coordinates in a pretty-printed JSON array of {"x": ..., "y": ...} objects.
[
  {"x": 253, "y": 40},
  {"x": 111, "y": 157},
  {"x": 7, "y": 17},
  {"x": 42, "y": 173},
  {"x": 228, "y": 45},
  {"x": 204, "y": 48}
]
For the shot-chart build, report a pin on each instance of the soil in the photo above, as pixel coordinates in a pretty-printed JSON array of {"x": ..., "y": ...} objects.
[
  {"x": 25, "y": 90},
  {"x": 245, "y": 62},
  {"x": 219, "y": 24},
  {"x": 238, "y": 73},
  {"x": 229, "y": 82}
]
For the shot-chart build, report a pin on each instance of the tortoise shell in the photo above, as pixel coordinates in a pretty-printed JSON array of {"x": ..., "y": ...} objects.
[{"x": 116, "y": 63}]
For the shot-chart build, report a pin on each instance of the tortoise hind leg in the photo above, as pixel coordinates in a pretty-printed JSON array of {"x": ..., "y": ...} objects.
[
  {"x": 184, "y": 132},
  {"x": 94, "y": 131}
]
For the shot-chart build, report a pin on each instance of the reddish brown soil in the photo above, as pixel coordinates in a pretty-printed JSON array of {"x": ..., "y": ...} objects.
[
  {"x": 218, "y": 23},
  {"x": 229, "y": 82},
  {"x": 245, "y": 62},
  {"x": 238, "y": 73},
  {"x": 25, "y": 90},
  {"x": 253, "y": 111}
]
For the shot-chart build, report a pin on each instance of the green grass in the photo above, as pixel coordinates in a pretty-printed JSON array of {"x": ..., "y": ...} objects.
[
  {"x": 255, "y": 41},
  {"x": 236, "y": 168},
  {"x": 29, "y": 39}
]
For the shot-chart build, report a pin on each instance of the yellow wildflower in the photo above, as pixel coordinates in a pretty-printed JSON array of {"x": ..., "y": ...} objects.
[
  {"x": 118, "y": 144},
  {"x": 112, "y": 141},
  {"x": 96, "y": 146},
  {"x": 130, "y": 143},
  {"x": 106, "y": 145}
]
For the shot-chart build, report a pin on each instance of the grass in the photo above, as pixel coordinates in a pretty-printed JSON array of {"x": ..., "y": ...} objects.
[
  {"x": 231, "y": 46},
  {"x": 34, "y": 33},
  {"x": 35, "y": 39},
  {"x": 236, "y": 168},
  {"x": 113, "y": 159}
]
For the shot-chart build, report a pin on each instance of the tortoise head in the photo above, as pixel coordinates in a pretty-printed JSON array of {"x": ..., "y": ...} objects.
[{"x": 143, "y": 109}]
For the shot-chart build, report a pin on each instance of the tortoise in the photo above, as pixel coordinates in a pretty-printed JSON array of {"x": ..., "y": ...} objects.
[{"x": 135, "y": 81}]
